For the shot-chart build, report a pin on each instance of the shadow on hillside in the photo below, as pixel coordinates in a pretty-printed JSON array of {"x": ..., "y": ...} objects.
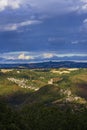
[
  {"x": 82, "y": 90},
  {"x": 14, "y": 99},
  {"x": 47, "y": 93}
]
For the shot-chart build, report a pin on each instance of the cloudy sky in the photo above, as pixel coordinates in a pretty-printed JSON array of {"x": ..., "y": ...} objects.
[{"x": 35, "y": 30}]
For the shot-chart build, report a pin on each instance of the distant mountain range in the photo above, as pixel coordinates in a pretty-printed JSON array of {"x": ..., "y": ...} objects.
[{"x": 50, "y": 64}]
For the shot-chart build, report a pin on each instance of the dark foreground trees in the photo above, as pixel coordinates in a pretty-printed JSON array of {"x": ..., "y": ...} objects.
[{"x": 42, "y": 117}]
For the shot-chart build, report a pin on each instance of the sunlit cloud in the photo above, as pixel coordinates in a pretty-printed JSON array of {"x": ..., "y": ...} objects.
[
  {"x": 38, "y": 56},
  {"x": 25, "y": 57},
  {"x": 47, "y": 55}
]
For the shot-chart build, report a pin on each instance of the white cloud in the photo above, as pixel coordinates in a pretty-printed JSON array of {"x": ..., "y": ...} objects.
[
  {"x": 29, "y": 22},
  {"x": 3, "y": 4},
  {"x": 70, "y": 55},
  {"x": 34, "y": 56},
  {"x": 48, "y": 55},
  {"x": 58, "y": 7},
  {"x": 75, "y": 42},
  {"x": 15, "y": 26},
  {"x": 83, "y": 27},
  {"x": 47, "y": 6},
  {"x": 79, "y": 41},
  {"x": 25, "y": 57},
  {"x": 85, "y": 21},
  {"x": 9, "y": 27},
  {"x": 13, "y": 4}
]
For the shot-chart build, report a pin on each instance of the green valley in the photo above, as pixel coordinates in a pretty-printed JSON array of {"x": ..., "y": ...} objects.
[{"x": 43, "y": 99}]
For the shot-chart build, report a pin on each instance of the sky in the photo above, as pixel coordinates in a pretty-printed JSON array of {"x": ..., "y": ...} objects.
[{"x": 49, "y": 30}]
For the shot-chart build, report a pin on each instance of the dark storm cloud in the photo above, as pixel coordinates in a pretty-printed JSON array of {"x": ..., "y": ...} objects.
[{"x": 43, "y": 27}]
